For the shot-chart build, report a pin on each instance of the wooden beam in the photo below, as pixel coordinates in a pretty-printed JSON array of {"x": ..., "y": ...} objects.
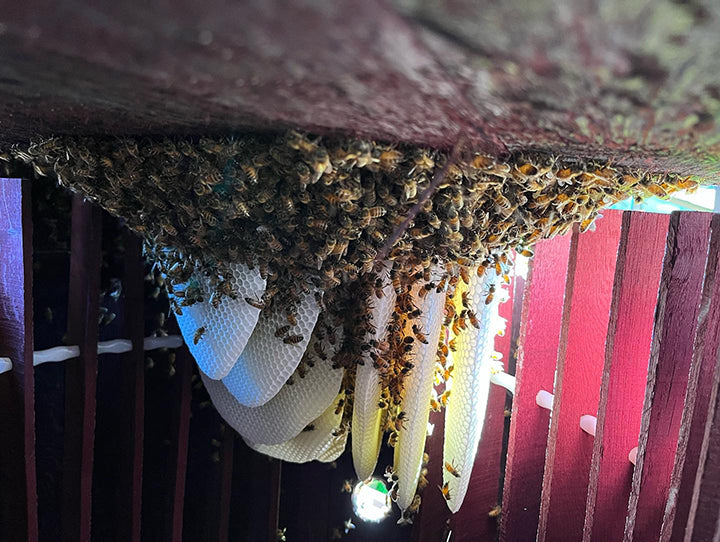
[
  {"x": 129, "y": 494},
  {"x": 473, "y": 521},
  {"x": 629, "y": 333},
  {"x": 676, "y": 318},
  {"x": 692, "y": 428},
  {"x": 18, "y": 492},
  {"x": 577, "y": 379},
  {"x": 81, "y": 372},
  {"x": 179, "y": 435},
  {"x": 537, "y": 352}
]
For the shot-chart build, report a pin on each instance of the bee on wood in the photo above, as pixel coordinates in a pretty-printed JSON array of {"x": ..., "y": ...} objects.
[
  {"x": 445, "y": 489},
  {"x": 199, "y": 332},
  {"x": 392, "y": 439}
]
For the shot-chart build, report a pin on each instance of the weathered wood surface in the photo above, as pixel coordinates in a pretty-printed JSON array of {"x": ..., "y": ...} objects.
[
  {"x": 676, "y": 318},
  {"x": 81, "y": 372},
  {"x": 537, "y": 352},
  {"x": 473, "y": 520},
  {"x": 635, "y": 291},
  {"x": 578, "y": 377},
  {"x": 625, "y": 79},
  {"x": 18, "y": 495},
  {"x": 695, "y": 413}
]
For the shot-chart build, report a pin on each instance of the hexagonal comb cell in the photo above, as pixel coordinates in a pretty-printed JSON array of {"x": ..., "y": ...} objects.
[
  {"x": 292, "y": 409},
  {"x": 465, "y": 411},
  {"x": 312, "y": 444},
  {"x": 217, "y": 336},
  {"x": 268, "y": 361}
]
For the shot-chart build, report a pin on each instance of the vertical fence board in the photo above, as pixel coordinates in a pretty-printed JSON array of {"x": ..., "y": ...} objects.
[
  {"x": 676, "y": 320},
  {"x": 472, "y": 521},
  {"x": 18, "y": 493},
  {"x": 179, "y": 435},
  {"x": 431, "y": 522},
  {"x": 704, "y": 515},
  {"x": 81, "y": 372},
  {"x": 695, "y": 414},
  {"x": 637, "y": 277},
  {"x": 577, "y": 380},
  {"x": 129, "y": 507},
  {"x": 537, "y": 353}
]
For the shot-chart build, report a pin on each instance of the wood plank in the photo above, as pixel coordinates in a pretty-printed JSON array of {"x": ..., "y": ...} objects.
[
  {"x": 472, "y": 521},
  {"x": 676, "y": 319},
  {"x": 432, "y": 521},
  {"x": 635, "y": 291},
  {"x": 692, "y": 428},
  {"x": 129, "y": 506},
  {"x": 18, "y": 491},
  {"x": 537, "y": 353},
  {"x": 81, "y": 373},
  {"x": 577, "y": 381},
  {"x": 704, "y": 514},
  {"x": 179, "y": 435}
]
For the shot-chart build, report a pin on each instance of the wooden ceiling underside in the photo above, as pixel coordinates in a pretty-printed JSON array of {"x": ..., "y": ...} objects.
[{"x": 635, "y": 81}]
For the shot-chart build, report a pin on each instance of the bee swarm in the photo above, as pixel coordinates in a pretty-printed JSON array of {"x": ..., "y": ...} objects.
[{"x": 317, "y": 213}]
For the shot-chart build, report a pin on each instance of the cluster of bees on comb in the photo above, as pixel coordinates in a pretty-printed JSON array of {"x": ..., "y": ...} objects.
[{"x": 322, "y": 214}]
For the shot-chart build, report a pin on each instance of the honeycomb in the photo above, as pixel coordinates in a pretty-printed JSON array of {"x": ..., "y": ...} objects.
[
  {"x": 267, "y": 361},
  {"x": 288, "y": 412},
  {"x": 465, "y": 411},
  {"x": 319, "y": 442},
  {"x": 416, "y": 398},
  {"x": 226, "y": 327},
  {"x": 366, "y": 416}
]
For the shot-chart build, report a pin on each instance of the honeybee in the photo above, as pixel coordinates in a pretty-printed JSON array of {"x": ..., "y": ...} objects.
[
  {"x": 419, "y": 335},
  {"x": 339, "y": 407},
  {"x": 445, "y": 489},
  {"x": 293, "y": 339},
  {"x": 255, "y": 303},
  {"x": 282, "y": 331},
  {"x": 451, "y": 469},
  {"x": 490, "y": 295},
  {"x": 392, "y": 439},
  {"x": 199, "y": 332},
  {"x": 425, "y": 289},
  {"x": 473, "y": 319},
  {"x": 290, "y": 315},
  {"x": 346, "y": 487},
  {"x": 444, "y": 396}
]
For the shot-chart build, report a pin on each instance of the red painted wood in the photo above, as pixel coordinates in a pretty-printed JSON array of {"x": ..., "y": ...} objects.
[
  {"x": 537, "y": 353},
  {"x": 676, "y": 320},
  {"x": 81, "y": 372},
  {"x": 637, "y": 278},
  {"x": 129, "y": 507},
  {"x": 695, "y": 414},
  {"x": 18, "y": 493},
  {"x": 704, "y": 515},
  {"x": 432, "y": 522},
  {"x": 472, "y": 521},
  {"x": 179, "y": 434},
  {"x": 577, "y": 383}
]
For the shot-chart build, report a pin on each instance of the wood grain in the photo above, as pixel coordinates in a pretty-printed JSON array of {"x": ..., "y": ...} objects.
[
  {"x": 472, "y": 521},
  {"x": 18, "y": 479},
  {"x": 81, "y": 373},
  {"x": 635, "y": 291},
  {"x": 692, "y": 427},
  {"x": 577, "y": 380},
  {"x": 674, "y": 331},
  {"x": 537, "y": 352},
  {"x": 129, "y": 495}
]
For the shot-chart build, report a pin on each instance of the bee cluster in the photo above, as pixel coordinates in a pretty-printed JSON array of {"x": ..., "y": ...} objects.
[{"x": 316, "y": 213}]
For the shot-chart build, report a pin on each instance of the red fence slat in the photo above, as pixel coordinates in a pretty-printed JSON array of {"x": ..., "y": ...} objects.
[
  {"x": 578, "y": 377},
  {"x": 18, "y": 493},
  {"x": 472, "y": 521},
  {"x": 179, "y": 434},
  {"x": 692, "y": 429},
  {"x": 676, "y": 319},
  {"x": 537, "y": 353},
  {"x": 81, "y": 372},
  {"x": 133, "y": 383},
  {"x": 637, "y": 277},
  {"x": 704, "y": 515}
]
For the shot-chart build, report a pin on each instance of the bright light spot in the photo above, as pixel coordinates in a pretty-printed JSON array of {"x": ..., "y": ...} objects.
[
  {"x": 371, "y": 501},
  {"x": 430, "y": 429},
  {"x": 521, "y": 266}
]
